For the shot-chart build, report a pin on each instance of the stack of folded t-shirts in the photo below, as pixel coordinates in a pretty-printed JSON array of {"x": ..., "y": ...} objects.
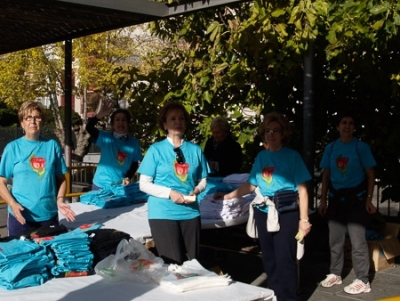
[
  {"x": 191, "y": 275},
  {"x": 225, "y": 209},
  {"x": 24, "y": 263},
  {"x": 72, "y": 252},
  {"x": 115, "y": 196}
]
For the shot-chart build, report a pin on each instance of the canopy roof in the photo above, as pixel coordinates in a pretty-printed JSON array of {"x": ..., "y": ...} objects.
[{"x": 30, "y": 23}]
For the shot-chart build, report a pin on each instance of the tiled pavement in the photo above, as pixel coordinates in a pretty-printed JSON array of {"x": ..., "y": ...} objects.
[{"x": 232, "y": 251}]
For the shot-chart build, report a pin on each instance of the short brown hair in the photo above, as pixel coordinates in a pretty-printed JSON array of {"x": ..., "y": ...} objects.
[
  {"x": 172, "y": 105},
  {"x": 31, "y": 105},
  {"x": 282, "y": 120}
]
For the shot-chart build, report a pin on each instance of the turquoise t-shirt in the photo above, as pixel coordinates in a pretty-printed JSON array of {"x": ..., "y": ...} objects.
[
  {"x": 160, "y": 164},
  {"x": 33, "y": 167},
  {"x": 116, "y": 158},
  {"x": 280, "y": 170},
  {"x": 347, "y": 162}
]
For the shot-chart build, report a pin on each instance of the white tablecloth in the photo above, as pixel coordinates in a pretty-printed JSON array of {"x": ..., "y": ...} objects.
[
  {"x": 95, "y": 288},
  {"x": 132, "y": 219}
]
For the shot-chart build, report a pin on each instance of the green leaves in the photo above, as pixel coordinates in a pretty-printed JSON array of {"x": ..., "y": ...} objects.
[
  {"x": 380, "y": 8},
  {"x": 278, "y": 12},
  {"x": 241, "y": 61},
  {"x": 215, "y": 30}
]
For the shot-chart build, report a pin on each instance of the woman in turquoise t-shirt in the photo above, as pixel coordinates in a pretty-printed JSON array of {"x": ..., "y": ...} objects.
[
  {"x": 120, "y": 152},
  {"x": 37, "y": 169},
  {"x": 278, "y": 168},
  {"x": 173, "y": 172},
  {"x": 348, "y": 180}
]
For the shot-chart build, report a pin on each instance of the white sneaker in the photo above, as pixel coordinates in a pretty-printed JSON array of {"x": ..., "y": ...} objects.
[
  {"x": 357, "y": 287},
  {"x": 331, "y": 280}
]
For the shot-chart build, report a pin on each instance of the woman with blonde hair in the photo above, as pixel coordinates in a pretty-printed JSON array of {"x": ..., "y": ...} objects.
[{"x": 37, "y": 169}]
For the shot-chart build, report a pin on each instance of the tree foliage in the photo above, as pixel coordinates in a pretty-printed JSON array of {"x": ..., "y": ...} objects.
[
  {"x": 38, "y": 73},
  {"x": 242, "y": 61},
  {"x": 250, "y": 55}
]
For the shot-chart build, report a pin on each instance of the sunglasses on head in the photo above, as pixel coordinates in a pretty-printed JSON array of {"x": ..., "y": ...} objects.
[{"x": 180, "y": 158}]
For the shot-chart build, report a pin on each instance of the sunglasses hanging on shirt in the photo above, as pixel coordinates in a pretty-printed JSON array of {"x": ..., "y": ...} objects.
[{"x": 180, "y": 158}]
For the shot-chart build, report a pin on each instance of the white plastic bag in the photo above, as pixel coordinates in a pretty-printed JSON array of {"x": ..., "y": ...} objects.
[{"x": 132, "y": 261}]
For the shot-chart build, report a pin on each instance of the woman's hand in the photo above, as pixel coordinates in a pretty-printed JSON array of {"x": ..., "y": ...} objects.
[
  {"x": 106, "y": 108},
  {"x": 66, "y": 211},
  {"x": 370, "y": 207},
  {"x": 322, "y": 208},
  {"x": 16, "y": 209},
  {"x": 305, "y": 227},
  {"x": 126, "y": 181},
  {"x": 177, "y": 197}
]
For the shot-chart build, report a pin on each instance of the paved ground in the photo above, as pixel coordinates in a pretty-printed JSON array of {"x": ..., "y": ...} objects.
[
  {"x": 231, "y": 251},
  {"x": 244, "y": 264}
]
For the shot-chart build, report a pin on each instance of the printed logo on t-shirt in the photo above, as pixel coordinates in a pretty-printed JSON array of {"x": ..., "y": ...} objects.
[
  {"x": 121, "y": 157},
  {"x": 341, "y": 164},
  {"x": 267, "y": 173},
  {"x": 181, "y": 170},
  {"x": 38, "y": 165}
]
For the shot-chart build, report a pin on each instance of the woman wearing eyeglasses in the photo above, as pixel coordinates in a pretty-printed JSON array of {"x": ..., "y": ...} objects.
[
  {"x": 173, "y": 172},
  {"x": 275, "y": 170},
  {"x": 37, "y": 169}
]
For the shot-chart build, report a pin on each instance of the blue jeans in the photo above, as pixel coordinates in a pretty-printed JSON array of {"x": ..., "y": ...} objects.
[{"x": 279, "y": 254}]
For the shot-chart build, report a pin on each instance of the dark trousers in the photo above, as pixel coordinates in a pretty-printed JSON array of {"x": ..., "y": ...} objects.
[
  {"x": 15, "y": 228},
  {"x": 279, "y": 254},
  {"x": 176, "y": 240}
]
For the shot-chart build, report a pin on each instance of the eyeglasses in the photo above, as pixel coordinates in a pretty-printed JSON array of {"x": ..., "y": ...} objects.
[
  {"x": 180, "y": 158},
  {"x": 272, "y": 131},
  {"x": 31, "y": 118}
]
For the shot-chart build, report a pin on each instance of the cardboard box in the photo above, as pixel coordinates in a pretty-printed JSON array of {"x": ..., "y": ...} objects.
[{"x": 383, "y": 252}]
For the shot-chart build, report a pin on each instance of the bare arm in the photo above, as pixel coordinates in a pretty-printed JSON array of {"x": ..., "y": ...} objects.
[
  {"x": 246, "y": 188},
  {"x": 304, "y": 224},
  {"x": 11, "y": 202},
  {"x": 370, "y": 173},
  {"x": 324, "y": 191},
  {"x": 64, "y": 208}
]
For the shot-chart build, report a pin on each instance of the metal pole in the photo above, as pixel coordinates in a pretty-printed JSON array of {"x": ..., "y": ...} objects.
[
  {"x": 308, "y": 120},
  {"x": 68, "y": 105}
]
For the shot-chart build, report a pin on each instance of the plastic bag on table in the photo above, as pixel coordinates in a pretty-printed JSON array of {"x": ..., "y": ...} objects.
[{"x": 132, "y": 261}]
